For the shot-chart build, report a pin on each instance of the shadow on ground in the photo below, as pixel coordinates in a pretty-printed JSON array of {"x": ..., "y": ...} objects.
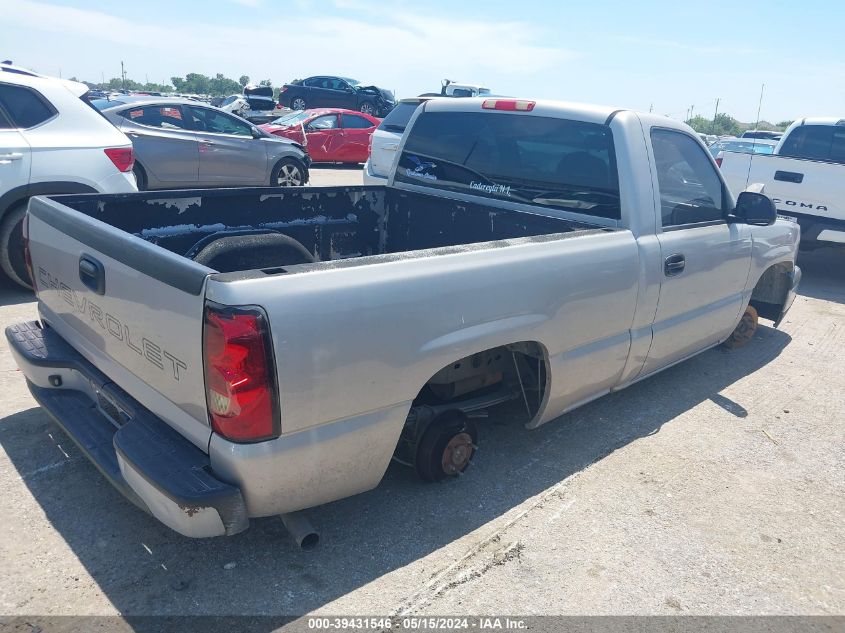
[
  {"x": 13, "y": 294},
  {"x": 143, "y": 568},
  {"x": 823, "y": 273}
]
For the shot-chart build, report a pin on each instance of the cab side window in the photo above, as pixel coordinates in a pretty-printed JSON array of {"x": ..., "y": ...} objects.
[
  {"x": 809, "y": 141},
  {"x": 690, "y": 189}
]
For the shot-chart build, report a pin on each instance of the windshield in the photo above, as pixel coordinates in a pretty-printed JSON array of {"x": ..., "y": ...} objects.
[
  {"x": 229, "y": 100},
  {"x": 291, "y": 118},
  {"x": 351, "y": 82},
  {"x": 398, "y": 117},
  {"x": 536, "y": 160}
]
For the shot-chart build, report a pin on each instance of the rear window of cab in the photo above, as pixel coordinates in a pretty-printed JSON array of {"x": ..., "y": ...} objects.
[{"x": 544, "y": 161}]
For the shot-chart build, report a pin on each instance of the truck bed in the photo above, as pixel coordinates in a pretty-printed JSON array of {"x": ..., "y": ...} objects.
[{"x": 332, "y": 223}]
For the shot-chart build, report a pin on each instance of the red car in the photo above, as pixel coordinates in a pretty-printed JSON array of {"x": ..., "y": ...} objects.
[{"x": 330, "y": 135}]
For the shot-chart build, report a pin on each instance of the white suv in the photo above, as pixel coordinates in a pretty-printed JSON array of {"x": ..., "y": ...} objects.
[
  {"x": 51, "y": 141},
  {"x": 385, "y": 140}
]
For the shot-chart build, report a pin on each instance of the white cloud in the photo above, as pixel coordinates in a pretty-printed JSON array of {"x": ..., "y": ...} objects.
[{"x": 397, "y": 48}]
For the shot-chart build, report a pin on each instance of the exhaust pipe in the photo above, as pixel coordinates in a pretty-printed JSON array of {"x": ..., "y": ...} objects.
[{"x": 301, "y": 530}]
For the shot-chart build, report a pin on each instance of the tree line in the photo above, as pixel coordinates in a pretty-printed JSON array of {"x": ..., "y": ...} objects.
[
  {"x": 192, "y": 83},
  {"x": 725, "y": 125}
]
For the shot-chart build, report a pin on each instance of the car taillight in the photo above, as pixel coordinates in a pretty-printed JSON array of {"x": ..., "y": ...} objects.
[
  {"x": 27, "y": 256},
  {"x": 719, "y": 161},
  {"x": 510, "y": 105},
  {"x": 122, "y": 157},
  {"x": 240, "y": 373},
  {"x": 283, "y": 89},
  {"x": 370, "y": 146}
]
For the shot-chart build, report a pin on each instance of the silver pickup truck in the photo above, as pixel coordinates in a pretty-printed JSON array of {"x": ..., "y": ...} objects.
[{"x": 223, "y": 355}]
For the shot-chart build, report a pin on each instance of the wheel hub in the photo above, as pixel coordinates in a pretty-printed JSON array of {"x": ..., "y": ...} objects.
[{"x": 457, "y": 454}]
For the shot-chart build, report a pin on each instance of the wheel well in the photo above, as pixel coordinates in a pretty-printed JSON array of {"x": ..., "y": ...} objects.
[
  {"x": 15, "y": 196},
  {"x": 771, "y": 290},
  {"x": 519, "y": 370},
  {"x": 508, "y": 382},
  {"x": 296, "y": 160},
  {"x": 146, "y": 179}
]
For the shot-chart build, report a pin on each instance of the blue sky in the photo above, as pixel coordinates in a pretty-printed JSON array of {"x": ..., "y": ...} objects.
[{"x": 667, "y": 55}]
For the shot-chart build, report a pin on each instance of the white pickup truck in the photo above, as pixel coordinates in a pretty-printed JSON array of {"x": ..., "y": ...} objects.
[
  {"x": 805, "y": 178},
  {"x": 229, "y": 354}
]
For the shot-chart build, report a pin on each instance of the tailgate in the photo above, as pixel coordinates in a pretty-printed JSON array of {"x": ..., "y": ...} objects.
[
  {"x": 131, "y": 308},
  {"x": 800, "y": 186},
  {"x": 796, "y": 185}
]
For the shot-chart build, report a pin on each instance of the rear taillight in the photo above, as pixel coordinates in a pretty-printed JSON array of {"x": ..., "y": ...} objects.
[
  {"x": 27, "y": 256},
  {"x": 370, "y": 146},
  {"x": 719, "y": 161},
  {"x": 122, "y": 157},
  {"x": 239, "y": 374},
  {"x": 509, "y": 105}
]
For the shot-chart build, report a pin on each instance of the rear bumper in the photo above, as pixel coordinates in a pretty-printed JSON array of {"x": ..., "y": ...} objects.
[
  {"x": 146, "y": 460},
  {"x": 372, "y": 179},
  {"x": 817, "y": 230}
]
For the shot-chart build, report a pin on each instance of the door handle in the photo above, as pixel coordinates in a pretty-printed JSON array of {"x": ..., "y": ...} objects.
[
  {"x": 789, "y": 176},
  {"x": 206, "y": 142},
  {"x": 92, "y": 274},
  {"x": 5, "y": 159},
  {"x": 674, "y": 265},
  {"x": 390, "y": 147}
]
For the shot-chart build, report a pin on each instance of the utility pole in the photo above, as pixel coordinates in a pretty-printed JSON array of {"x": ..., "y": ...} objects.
[
  {"x": 650, "y": 108},
  {"x": 691, "y": 111},
  {"x": 713, "y": 131},
  {"x": 123, "y": 75}
]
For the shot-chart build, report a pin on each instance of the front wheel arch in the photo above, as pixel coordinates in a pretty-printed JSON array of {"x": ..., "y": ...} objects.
[{"x": 772, "y": 290}]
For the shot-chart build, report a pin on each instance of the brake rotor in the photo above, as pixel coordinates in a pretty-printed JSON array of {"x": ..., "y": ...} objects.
[
  {"x": 745, "y": 330},
  {"x": 457, "y": 454}
]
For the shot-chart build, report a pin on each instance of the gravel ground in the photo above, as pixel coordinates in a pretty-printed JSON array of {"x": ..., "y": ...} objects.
[{"x": 716, "y": 487}]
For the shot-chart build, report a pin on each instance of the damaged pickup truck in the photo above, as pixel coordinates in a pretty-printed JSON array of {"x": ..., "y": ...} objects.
[{"x": 230, "y": 354}]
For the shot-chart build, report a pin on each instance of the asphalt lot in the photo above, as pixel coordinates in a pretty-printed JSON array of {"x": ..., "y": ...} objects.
[{"x": 716, "y": 487}]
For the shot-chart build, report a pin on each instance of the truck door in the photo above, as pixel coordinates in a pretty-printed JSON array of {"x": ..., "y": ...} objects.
[{"x": 705, "y": 259}]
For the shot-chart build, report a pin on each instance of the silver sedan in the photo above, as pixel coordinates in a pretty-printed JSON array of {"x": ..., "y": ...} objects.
[{"x": 184, "y": 144}]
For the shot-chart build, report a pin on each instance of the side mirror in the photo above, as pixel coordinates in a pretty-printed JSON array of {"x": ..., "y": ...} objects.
[
  {"x": 256, "y": 133},
  {"x": 755, "y": 209}
]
